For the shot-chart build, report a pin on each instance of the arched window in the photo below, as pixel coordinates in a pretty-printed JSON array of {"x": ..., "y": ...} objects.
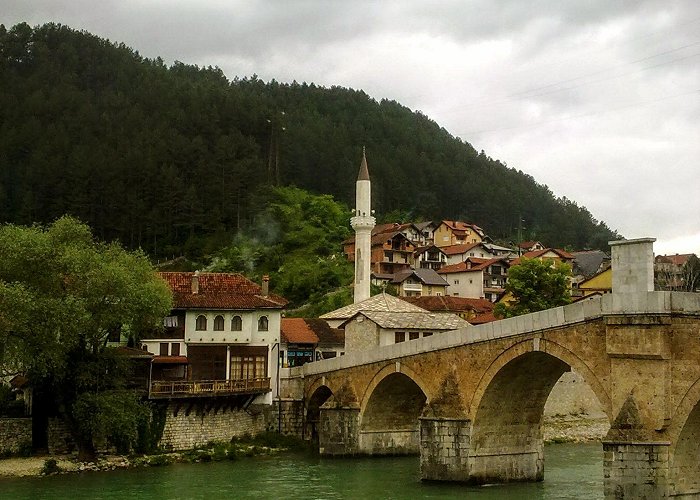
[
  {"x": 219, "y": 323},
  {"x": 262, "y": 324},
  {"x": 236, "y": 324},
  {"x": 201, "y": 323}
]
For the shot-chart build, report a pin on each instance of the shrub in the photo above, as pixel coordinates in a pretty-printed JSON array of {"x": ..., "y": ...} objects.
[{"x": 50, "y": 467}]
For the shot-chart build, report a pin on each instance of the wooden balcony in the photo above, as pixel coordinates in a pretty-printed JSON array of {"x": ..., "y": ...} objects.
[{"x": 207, "y": 388}]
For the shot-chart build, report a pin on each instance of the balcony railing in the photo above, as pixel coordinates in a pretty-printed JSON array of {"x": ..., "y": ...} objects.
[{"x": 205, "y": 388}]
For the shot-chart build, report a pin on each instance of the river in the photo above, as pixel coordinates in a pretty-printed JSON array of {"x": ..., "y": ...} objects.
[{"x": 572, "y": 471}]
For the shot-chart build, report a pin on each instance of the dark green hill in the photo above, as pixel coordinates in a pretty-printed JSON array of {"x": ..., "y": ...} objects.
[{"x": 165, "y": 157}]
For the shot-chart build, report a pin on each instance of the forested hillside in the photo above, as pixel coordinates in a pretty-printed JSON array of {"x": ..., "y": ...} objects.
[{"x": 171, "y": 158}]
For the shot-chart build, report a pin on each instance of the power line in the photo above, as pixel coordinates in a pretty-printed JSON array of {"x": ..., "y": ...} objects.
[{"x": 582, "y": 115}]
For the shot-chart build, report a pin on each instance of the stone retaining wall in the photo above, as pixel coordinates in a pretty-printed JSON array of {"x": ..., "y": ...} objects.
[
  {"x": 187, "y": 428},
  {"x": 15, "y": 434},
  {"x": 288, "y": 417}
]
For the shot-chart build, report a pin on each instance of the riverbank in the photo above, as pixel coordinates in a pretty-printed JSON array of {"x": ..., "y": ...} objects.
[
  {"x": 574, "y": 428},
  {"x": 264, "y": 444}
]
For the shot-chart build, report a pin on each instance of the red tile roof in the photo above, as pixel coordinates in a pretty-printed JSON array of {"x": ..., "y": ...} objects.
[
  {"x": 297, "y": 331},
  {"x": 219, "y": 291},
  {"x": 458, "y": 249},
  {"x": 677, "y": 259},
  {"x": 477, "y": 264},
  {"x": 457, "y": 225},
  {"x": 535, "y": 254},
  {"x": 483, "y": 318}
]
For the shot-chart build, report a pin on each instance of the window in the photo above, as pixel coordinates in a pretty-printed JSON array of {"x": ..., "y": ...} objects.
[
  {"x": 175, "y": 349},
  {"x": 427, "y": 334},
  {"x": 163, "y": 349},
  {"x": 201, "y": 324},
  {"x": 248, "y": 365},
  {"x": 170, "y": 322},
  {"x": 413, "y": 335},
  {"x": 236, "y": 324},
  {"x": 262, "y": 324},
  {"x": 399, "y": 337},
  {"x": 456, "y": 282},
  {"x": 219, "y": 324}
]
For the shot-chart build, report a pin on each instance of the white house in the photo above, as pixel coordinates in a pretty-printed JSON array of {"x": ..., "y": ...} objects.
[{"x": 222, "y": 337}]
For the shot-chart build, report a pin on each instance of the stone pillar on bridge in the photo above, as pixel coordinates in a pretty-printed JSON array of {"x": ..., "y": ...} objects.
[
  {"x": 636, "y": 450},
  {"x": 636, "y": 457},
  {"x": 339, "y": 429},
  {"x": 444, "y": 448},
  {"x": 445, "y": 436},
  {"x": 632, "y": 265}
]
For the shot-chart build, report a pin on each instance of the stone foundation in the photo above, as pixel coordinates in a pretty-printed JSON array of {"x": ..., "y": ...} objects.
[
  {"x": 444, "y": 449},
  {"x": 635, "y": 470},
  {"x": 15, "y": 434},
  {"x": 287, "y": 417},
  {"x": 188, "y": 427},
  {"x": 339, "y": 431}
]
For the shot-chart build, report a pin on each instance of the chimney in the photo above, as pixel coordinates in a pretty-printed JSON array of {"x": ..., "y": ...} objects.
[
  {"x": 195, "y": 283},
  {"x": 265, "y": 285}
]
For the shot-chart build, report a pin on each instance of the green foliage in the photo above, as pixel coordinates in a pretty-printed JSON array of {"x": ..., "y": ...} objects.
[
  {"x": 113, "y": 415},
  {"x": 535, "y": 285},
  {"x": 68, "y": 293},
  {"x": 176, "y": 161},
  {"x": 150, "y": 430},
  {"x": 297, "y": 240}
]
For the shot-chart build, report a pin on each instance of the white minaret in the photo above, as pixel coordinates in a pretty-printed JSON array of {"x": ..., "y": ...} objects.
[{"x": 362, "y": 222}]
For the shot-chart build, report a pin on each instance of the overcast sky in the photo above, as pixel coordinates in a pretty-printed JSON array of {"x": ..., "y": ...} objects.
[{"x": 600, "y": 100}]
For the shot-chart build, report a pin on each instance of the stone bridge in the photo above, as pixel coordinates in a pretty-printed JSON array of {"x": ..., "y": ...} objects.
[{"x": 471, "y": 401}]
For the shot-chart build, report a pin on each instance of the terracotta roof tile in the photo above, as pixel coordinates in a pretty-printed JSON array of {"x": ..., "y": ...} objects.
[
  {"x": 219, "y": 291},
  {"x": 458, "y": 249},
  {"x": 297, "y": 331}
]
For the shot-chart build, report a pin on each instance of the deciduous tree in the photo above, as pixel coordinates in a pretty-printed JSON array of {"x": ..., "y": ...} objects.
[
  {"x": 62, "y": 294},
  {"x": 535, "y": 285}
]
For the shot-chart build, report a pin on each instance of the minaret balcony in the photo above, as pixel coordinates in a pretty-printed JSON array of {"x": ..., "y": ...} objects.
[{"x": 362, "y": 222}]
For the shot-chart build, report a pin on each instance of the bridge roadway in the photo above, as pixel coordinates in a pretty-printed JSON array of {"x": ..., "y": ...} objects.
[{"x": 471, "y": 401}]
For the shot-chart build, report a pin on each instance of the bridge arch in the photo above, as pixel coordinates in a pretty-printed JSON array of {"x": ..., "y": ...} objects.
[
  {"x": 684, "y": 433},
  {"x": 389, "y": 412},
  {"x": 546, "y": 346},
  {"x": 319, "y": 392},
  {"x": 507, "y": 409}
]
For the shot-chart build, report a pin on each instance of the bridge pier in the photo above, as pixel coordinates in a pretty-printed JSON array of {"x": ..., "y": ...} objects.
[
  {"x": 444, "y": 449},
  {"x": 339, "y": 430},
  {"x": 635, "y": 470}
]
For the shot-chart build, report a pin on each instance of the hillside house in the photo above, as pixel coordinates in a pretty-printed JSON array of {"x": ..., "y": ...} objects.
[
  {"x": 461, "y": 252},
  {"x": 419, "y": 282},
  {"x": 429, "y": 257},
  {"x": 530, "y": 246},
  {"x": 218, "y": 339},
  {"x": 671, "y": 273},
  {"x": 477, "y": 278},
  {"x": 450, "y": 232}
]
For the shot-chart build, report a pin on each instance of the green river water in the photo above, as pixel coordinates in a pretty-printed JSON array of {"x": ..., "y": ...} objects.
[{"x": 572, "y": 471}]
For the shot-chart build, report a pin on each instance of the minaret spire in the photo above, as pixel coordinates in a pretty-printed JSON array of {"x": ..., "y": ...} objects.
[{"x": 362, "y": 222}]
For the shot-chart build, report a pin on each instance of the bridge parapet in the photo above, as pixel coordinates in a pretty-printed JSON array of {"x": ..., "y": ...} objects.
[{"x": 635, "y": 303}]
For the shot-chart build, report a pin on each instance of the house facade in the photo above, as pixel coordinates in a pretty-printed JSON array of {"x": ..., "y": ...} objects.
[
  {"x": 218, "y": 339},
  {"x": 461, "y": 252},
  {"x": 449, "y": 232},
  {"x": 419, "y": 282}
]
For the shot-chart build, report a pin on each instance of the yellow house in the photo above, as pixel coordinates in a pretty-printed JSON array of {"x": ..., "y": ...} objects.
[
  {"x": 450, "y": 232},
  {"x": 600, "y": 283}
]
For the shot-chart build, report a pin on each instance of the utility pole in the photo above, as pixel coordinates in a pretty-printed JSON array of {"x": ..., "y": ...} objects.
[{"x": 273, "y": 153}]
